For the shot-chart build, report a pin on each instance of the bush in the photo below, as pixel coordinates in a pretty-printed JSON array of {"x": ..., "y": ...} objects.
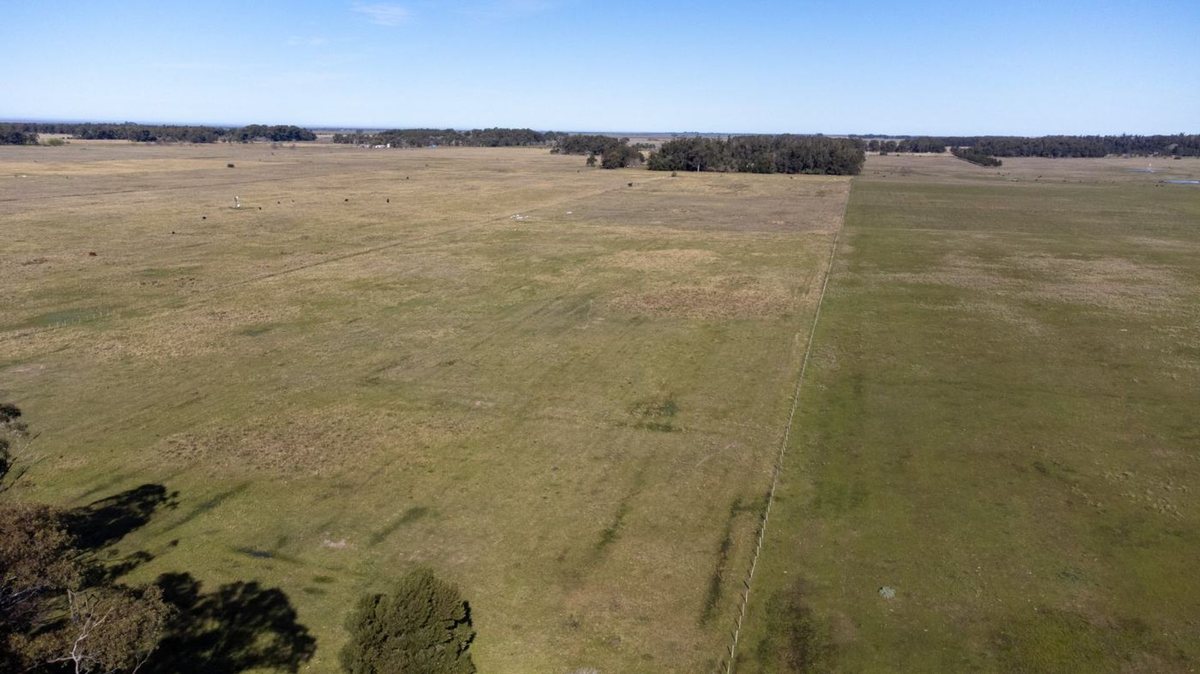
[
  {"x": 422, "y": 625},
  {"x": 619, "y": 155}
]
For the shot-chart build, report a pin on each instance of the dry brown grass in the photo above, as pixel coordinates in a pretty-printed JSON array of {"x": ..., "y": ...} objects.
[
  {"x": 1109, "y": 282},
  {"x": 383, "y": 338},
  {"x": 673, "y": 260},
  {"x": 946, "y": 169},
  {"x": 720, "y": 298}
]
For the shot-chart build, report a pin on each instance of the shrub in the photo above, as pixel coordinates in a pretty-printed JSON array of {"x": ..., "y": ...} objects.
[{"x": 422, "y": 625}]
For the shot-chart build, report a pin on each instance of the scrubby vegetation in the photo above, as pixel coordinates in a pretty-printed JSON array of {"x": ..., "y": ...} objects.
[
  {"x": 976, "y": 157},
  {"x": 761, "y": 154}
]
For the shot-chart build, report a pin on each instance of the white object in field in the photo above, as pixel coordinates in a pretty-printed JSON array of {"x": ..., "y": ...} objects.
[{"x": 237, "y": 203}]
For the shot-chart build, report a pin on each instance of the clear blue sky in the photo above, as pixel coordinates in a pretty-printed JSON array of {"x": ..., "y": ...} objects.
[{"x": 803, "y": 66}]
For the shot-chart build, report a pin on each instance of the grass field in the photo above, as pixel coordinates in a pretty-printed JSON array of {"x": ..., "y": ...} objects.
[
  {"x": 559, "y": 390},
  {"x": 1001, "y": 424}
]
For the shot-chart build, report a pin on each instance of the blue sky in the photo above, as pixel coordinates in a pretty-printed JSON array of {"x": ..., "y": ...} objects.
[{"x": 804, "y": 66}]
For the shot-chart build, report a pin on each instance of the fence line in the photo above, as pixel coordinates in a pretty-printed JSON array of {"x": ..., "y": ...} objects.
[{"x": 787, "y": 434}]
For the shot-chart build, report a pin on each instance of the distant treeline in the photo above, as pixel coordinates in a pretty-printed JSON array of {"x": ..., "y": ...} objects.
[
  {"x": 278, "y": 133},
  {"x": 975, "y": 156},
  {"x": 12, "y": 136},
  {"x": 761, "y": 154},
  {"x": 26, "y": 133},
  {"x": 612, "y": 152},
  {"x": 586, "y": 144},
  {"x": 432, "y": 137},
  {"x": 920, "y": 144},
  {"x": 1048, "y": 146},
  {"x": 1087, "y": 146}
]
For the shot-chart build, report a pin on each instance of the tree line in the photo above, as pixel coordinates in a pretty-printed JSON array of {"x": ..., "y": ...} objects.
[
  {"x": 11, "y": 136},
  {"x": 1179, "y": 145},
  {"x": 279, "y": 133},
  {"x": 613, "y": 153},
  {"x": 761, "y": 154},
  {"x": 495, "y": 137},
  {"x": 974, "y": 156},
  {"x": 26, "y": 133},
  {"x": 920, "y": 144}
]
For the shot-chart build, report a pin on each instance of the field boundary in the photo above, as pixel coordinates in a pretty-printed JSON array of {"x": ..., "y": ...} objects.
[{"x": 783, "y": 445}]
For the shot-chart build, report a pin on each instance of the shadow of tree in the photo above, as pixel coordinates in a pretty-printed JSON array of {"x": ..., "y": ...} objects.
[
  {"x": 239, "y": 626},
  {"x": 108, "y": 520}
]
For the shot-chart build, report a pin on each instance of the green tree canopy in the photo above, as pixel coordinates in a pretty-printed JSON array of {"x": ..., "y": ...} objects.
[{"x": 421, "y": 625}]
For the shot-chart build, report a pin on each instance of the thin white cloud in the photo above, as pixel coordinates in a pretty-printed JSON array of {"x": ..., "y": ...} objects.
[{"x": 382, "y": 13}]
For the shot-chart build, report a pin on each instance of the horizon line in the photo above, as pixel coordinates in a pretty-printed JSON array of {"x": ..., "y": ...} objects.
[{"x": 367, "y": 128}]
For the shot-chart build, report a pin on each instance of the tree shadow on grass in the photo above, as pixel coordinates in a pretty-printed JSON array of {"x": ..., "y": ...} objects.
[
  {"x": 106, "y": 521},
  {"x": 98, "y": 526},
  {"x": 238, "y": 626}
]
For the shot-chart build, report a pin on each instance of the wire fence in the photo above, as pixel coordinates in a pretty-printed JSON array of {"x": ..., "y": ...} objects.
[{"x": 730, "y": 660}]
